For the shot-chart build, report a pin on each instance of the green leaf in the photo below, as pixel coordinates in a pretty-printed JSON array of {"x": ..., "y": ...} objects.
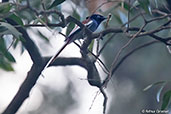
[
  {"x": 5, "y": 8},
  {"x": 76, "y": 15},
  {"x": 159, "y": 92},
  {"x": 22, "y": 49},
  {"x": 11, "y": 29},
  {"x": 16, "y": 18},
  {"x": 117, "y": 17},
  {"x": 72, "y": 25},
  {"x": 43, "y": 37},
  {"x": 16, "y": 43},
  {"x": 69, "y": 28},
  {"x": 5, "y": 65},
  {"x": 125, "y": 5},
  {"x": 5, "y": 52},
  {"x": 3, "y": 29},
  {"x": 91, "y": 46},
  {"x": 8, "y": 67},
  {"x": 2, "y": 45},
  {"x": 145, "y": 4},
  {"x": 151, "y": 85},
  {"x": 166, "y": 100},
  {"x": 56, "y": 3},
  {"x": 9, "y": 56},
  {"x": 22, "y": 39}
]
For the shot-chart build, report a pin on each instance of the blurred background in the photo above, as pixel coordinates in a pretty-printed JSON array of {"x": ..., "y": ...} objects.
[{"x": 65, "y": 90}]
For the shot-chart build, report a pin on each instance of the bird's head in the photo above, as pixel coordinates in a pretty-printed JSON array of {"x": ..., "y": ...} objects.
[{"x": 98, "y": 18}]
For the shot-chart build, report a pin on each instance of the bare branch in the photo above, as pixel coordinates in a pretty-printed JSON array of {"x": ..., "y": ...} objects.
[{"x": 125, "y": 57}]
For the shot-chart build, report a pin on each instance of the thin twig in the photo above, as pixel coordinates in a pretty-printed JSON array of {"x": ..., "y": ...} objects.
[
  {"x": 126, "y": 45},
  {"x": 104, "y": 68},
  {"x": 11, "y": 44},
  {"x": 105, "y": 99},
  {"x": 97, "y": 93},
  {"x": 125, "y": 57},
  {"x": 104, "y": 3}
]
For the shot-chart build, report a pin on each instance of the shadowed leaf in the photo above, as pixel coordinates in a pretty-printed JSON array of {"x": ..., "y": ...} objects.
[
  {"x": 153, "y": 84},
  {"x": 56, "y": 3},
  {"x": 91, "y": 46},
  {"x": 43, "y": 37},
  {"x": 9, "y": 56},
  {"x": 166, "y": 100},
  {"x": 5, "y": 65},
  {"x": 12, "y": 30},
  {"x": 5, "y": 7},
  {"x": 16, "y": 18},
  {"x": 145, "y": 4}
]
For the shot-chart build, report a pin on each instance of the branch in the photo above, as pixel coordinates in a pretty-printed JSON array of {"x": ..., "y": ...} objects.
[
  {"x": 29, "y": 44},
  {"x": 125, "y": 57},
  {"x": 24, "y": 90},
  {"x": 32, "y": 75},
  {"x": 142, "y": 33},
  {"x": 61, "y": 61}
]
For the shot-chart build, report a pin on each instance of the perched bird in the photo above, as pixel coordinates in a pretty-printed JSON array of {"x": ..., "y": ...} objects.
[{"x": 92, "y": 22}]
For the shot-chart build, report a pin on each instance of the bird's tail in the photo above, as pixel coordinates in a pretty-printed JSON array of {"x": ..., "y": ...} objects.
[{"x": 57, "y": 54}]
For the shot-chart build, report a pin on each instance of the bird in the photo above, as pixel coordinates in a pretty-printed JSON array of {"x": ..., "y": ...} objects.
[{"x": 92, "y": 22}]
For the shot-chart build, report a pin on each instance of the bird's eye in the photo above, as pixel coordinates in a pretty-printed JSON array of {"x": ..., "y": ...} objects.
[{"x": 87, "y": 17}]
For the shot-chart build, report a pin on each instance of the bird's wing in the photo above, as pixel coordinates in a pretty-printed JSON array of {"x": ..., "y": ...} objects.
[{"x": 86, "y": 22}]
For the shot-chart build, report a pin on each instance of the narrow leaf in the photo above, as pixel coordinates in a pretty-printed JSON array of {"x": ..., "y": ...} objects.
[
  {"x": 117, "y": 17},
  {"x": 16, "y": 43},
  {"x": 2, "y": 45},
  {"x": 3, "y": 29},
  {"x": 159, "y": 92},
  {"x": 11, "y": 29},
  {"x": 56, "y": 3},
  {"x": 43, "y": 37},
  {"x": 9, "y": 56},
  {"x": 145, "y": 4},
  {"x": 5, "y": 52},
  {"x": 16, "y": 18},
  {"x": 5, "y": 65},
  {"x": 125, "y": 5},
  {"x": 166, "y": 100},
  {"x": 76, "y": 15},
  {"x": 151, "y": 85},
  {"x": 72, "y": 25},
  {"x": 69, "y": 28},
  {"x": 22, "y": 49},
  {"x": 91, "y": 46},
  {"x": 5, "y": 7}
]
